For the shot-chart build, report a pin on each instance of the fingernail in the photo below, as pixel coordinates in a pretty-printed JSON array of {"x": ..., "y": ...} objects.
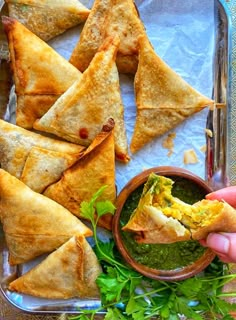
[{"x": 218, "y": 242}]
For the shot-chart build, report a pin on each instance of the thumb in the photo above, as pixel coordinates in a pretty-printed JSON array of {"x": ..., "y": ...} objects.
[{"x": 224, "y": 245}]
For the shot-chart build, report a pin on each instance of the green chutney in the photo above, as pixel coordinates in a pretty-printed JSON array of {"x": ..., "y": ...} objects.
[{"x": 163, "y": 256}]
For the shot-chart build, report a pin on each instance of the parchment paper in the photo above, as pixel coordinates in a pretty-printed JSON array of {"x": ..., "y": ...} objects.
[{"x": 182, "y": 33}]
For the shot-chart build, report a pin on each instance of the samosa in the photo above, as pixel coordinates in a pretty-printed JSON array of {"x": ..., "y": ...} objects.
[
  {"x": 110, "y": 18},
  {"x": 79, "y": 114},
  {"x": 44, "y": 167},
  {"x": 70, "y": 271},
  {"x": 40, "y": 74},
  {"x": 94, "y": 169},
  {"x": 48, "y": 18},
  {"x": 16, "y": 143},
  {"x": 32, "y": 223},
  {"x": 163, "y": 98}
]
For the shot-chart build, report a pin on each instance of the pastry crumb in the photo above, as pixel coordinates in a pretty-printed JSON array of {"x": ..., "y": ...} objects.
[
  {"x": 168, "y": 143},
  {"x": 190, "y": 157}
]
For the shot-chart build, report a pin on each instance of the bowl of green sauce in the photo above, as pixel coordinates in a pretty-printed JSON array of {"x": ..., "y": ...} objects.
[{"x": 168, "y": 262}]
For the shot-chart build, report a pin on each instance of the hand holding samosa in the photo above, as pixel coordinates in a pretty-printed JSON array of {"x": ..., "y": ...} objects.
[{"x": 162, "y": 218}]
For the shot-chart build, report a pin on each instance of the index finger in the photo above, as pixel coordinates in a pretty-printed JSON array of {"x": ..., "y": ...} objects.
[{"x": 227, "y": 194}]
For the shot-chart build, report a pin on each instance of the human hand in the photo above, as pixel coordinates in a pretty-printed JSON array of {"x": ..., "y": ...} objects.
[{"x": 224, "y": 244}]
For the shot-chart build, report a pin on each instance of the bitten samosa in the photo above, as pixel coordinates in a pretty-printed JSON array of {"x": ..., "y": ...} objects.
[{"x": 162, "y": 218}]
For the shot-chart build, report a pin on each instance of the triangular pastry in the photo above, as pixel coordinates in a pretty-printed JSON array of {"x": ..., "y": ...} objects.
[
  {"x": 95, "y": 169},
  {"x": 79, "y": 114},
  {"x": 109, "y": 18},
  {"x": 40, "y": 74},
  {"x": 91, "y": 36},
  {"x": 123, "y": 20},
  {"x": 163, "y": 98},
  {"x": 70, "y": 271},
  {"x": 32, "y": 223},
  {"x": 48, "y": 18},
  {"x": 44, "y": 167},
  {"x": 16, "y": 144}
]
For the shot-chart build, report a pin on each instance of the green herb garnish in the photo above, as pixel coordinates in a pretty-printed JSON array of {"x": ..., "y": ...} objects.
[{"x": 127, "y": 295}]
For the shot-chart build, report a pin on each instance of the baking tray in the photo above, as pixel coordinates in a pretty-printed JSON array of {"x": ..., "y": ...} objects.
[{"x": 215, "y": 161}]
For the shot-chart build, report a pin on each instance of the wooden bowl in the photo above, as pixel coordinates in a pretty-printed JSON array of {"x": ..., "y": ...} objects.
[{"x": 178, "y": 272}]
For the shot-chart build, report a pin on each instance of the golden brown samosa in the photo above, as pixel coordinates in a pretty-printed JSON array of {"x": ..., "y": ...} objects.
[
  {"x": 94, "y": 169},
  {"x": 40, "y": 74},
  {"x": 91, "y": 37},
  {"x": 44, "y": 167},
  {"x": 32, "y": 223},
  {"x": 16, "y": 144},
  {"x": 123, "y": 20},
  {"x": 163, "y": 98},
  {"x": 70, "y": 271},
  {"x": 48, "y": 18},
  {"x": 110, "y": 18},
  {"x": 79, "y": 114}
]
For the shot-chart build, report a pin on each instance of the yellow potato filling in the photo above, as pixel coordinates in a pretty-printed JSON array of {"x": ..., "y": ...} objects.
[{"x": 192, "y": 216}]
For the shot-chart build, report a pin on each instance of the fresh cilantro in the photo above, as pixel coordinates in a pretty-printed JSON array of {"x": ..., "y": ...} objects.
[
  {"x": 127, "y": 295},
  {"x": 88, "y": 209}
]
